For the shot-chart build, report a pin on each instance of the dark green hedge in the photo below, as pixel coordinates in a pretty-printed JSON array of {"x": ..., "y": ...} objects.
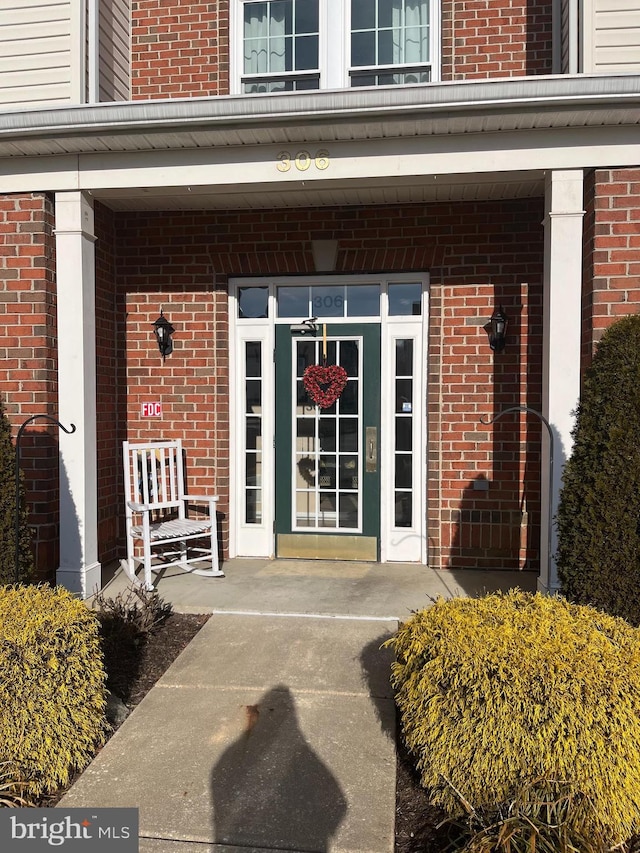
[
  {"x": 599, "y": 511},
  {"x": 7, "y": 512}
]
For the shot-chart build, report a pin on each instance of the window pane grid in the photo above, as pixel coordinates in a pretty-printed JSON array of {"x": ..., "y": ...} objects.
[
  {"x": 326, "y": 452},
  {"x": 403, "y": 433},
  {"x": 386, "y": 34},
  {"x": 253, "y": 431},
  {"x": 281, "y": 37}
]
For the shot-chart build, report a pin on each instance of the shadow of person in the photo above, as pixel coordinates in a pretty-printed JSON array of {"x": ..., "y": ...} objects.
[
  {"x": 269, "y": 788},
  {"x": 376, "y": 660}
]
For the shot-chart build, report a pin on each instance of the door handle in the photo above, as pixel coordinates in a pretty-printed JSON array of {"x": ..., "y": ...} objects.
[{"x": 371, "y": 453}]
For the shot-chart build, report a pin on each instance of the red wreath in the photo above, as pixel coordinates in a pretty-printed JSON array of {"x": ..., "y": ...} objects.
[{"x": 324, "y": 384}]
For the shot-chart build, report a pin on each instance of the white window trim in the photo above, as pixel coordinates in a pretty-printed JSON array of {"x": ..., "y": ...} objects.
[{"x": 334, "y": 45}]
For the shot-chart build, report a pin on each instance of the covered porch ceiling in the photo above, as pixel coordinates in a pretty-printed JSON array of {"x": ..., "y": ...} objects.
[{"x": 373, "y": 191}]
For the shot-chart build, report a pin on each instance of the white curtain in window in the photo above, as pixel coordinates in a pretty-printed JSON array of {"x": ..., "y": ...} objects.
[
  {"x": 264, "y": 38},
  {"x": 410, "y": 21}
]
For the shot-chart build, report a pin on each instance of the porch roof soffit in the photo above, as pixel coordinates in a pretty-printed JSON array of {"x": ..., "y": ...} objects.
[{"x": 345, "y": 115}]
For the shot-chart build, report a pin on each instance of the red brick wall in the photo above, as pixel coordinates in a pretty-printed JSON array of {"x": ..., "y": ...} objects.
[
  {"x": 110, "y": 422},
  {"x": 480, "y": 255},
  {"x": 495, "y": 38},
  {"x": 611, "y": 286},
  {"x": 28, "y": 381},
  {"x": 179, "y": 49}
]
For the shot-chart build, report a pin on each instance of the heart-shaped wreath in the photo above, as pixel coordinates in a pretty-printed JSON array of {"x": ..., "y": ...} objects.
[{"x": 324, "y": 384}]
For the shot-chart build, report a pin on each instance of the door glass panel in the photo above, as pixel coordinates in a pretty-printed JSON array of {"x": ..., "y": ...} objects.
[
  {"x": 348, "y": 510},
  {"x": 253, "y": 395},
  {"x": 253, "y": 506},
  {"x": 253, "y": 304},
  {"x": 327, "y": 434},
  {"x": 305, "y": 471},
  {"x": 326, "y": 454},
  {"x": 293, "y": 302},
  {"x": 404, "y": 389},
  {"x": 349, "y": 357},
  {"x": 363, "y": 300},
  {"x": 349, "y": 472},
  {"x": 349, "y": 398},
  {"x": 404, "y": 357},
  {"x": 253, "y": 432},
  {"x": 405, "y": 299},
  {"x": 254, "y": 470},
  {"x": 306, "y": 354},
  {"x": 403, "y": 509},
  {"x": 327, "y": 516},
  {"x": 306, "y": 508},
  {"x": 403, "y": 433},
  {"x": 327, "y": 300},
  {"x": 403, "y": 471},
  {"x": 348, "y": 435}
]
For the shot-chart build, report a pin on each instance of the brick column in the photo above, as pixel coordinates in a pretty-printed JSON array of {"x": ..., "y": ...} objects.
[{"x": 79, "y": 569}]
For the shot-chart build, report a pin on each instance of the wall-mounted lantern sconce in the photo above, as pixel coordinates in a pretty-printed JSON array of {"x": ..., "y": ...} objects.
[
  {"x": 306, "y": 327},
  {"x": 497, "y": 330},
  {"x": 163, "y": 330}
]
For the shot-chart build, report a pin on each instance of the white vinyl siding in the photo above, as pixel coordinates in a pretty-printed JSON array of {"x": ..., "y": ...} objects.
[
  {"x": 611, "y": 36},
  {"x": 45, "y": 46},
  {"x": 35, "y": 52},
  {"x": 114, "y": 50}
]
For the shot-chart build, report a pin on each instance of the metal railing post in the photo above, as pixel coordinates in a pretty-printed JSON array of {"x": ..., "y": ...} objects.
[
  {"x": 542, "y": 418},
  {"x": 72, "y": 429}
]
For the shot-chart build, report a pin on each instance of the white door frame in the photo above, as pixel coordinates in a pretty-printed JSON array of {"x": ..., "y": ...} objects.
[{"x": 256, "y": 539}]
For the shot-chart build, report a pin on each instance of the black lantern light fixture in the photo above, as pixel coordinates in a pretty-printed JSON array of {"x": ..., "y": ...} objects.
[
  {"x": 497, "y": 329},
  {"x": 163, "y": 330}
]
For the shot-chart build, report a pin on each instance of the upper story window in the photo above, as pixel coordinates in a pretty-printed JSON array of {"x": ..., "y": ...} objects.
[
  {"x": 390, "y": 42},
  {"x": 281, "y": 39},
  {"x": 291, "y": 45}
]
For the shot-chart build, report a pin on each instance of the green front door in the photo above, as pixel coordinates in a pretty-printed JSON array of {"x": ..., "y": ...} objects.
[{"x": 327, "y": 470}]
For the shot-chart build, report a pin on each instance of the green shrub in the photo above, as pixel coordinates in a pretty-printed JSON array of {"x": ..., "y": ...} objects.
[
  {"x": 8, "y": 512},
  {"x": 599, "y": 510},
  {"x": 52, "y": 694},
  {"x": 498, "y": 692}
]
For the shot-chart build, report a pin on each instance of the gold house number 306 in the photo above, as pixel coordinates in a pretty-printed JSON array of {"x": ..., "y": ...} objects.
[{"x": 302, "y": 161}]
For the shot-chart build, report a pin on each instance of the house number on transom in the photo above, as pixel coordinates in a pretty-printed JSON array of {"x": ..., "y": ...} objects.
[{"x": 302, "y": 161}]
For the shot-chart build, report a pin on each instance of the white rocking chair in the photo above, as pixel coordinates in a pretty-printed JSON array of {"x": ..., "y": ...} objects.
[{"x": 157, "y": 513}]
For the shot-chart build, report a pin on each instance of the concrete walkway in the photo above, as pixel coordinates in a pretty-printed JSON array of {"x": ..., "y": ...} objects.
[
  {"x": 265, "y": 734},
  {"x": 274, "y": 729}
]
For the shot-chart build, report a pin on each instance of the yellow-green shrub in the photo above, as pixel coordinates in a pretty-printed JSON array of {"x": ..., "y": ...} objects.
[
  {"x": 498, "y": 692},
  {"x": 52, "y": 695}
]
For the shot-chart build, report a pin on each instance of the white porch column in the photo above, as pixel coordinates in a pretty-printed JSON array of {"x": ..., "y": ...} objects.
[
  {"x": 79, "y": 571},
  {"x": 562, "y": 308}
]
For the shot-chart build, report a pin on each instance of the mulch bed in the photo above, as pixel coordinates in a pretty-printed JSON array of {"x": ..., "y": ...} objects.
[{"x": 132, "y": 672}]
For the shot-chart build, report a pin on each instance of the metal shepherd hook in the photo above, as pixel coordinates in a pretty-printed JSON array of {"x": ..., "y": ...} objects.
[
  {"x": 542, "y": 418},
  {"x": 72, "y": 429}
]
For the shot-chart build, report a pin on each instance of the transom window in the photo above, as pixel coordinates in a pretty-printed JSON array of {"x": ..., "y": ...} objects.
[{"x": 293, "y": 45}]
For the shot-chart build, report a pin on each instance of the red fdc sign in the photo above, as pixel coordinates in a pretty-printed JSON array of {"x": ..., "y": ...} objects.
[{"x": 151, "y": 410}]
